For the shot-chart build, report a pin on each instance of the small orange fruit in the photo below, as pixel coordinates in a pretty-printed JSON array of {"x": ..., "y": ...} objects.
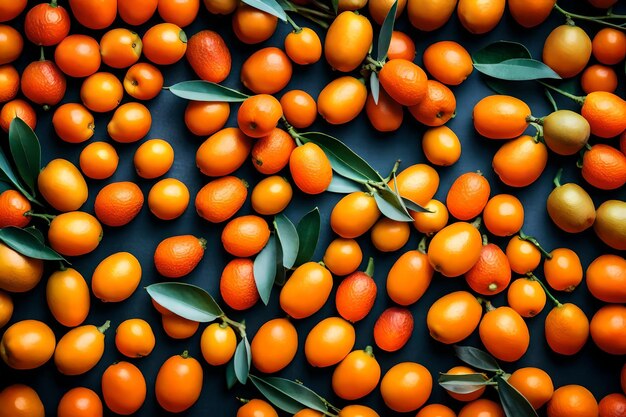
[
  {"x": 18, "y": 273},
  {"x": 347, "y": 41},
  {"x": 304, "y": 46},
  {"x": 606, "y": 278},
  {"x": 271, "y": 195},
  {"x": 67, "y": 296},
  {"x": 599, "y": 78},
  {"x": 179, "y": 12},
  {"x": 431, "y": 15},
  {"x": 220, "y": 199},
  {"x": 470, "y": 396},
  {"x": 27, "y": 344},
  {"x": 441, "y": 146},
  {"x": 435, "y": 410},
  {"x": 480, "y": 17},
  {"x": 504, "y": 333},
  {"x": 448, "y": 62},
  {"x": 430, "y": 222},
  {"x": 310, "y": 168},
  {"x": 390, "y": 235},
  {"x": 224, "y": 7},
  {"x": 204, "y": 118},
  {"x": 252, "y": 25},
  {"x": 267, "y": 71},
  {"x": 164, "y": 43},
  {"x": 566, "y": 329},
  {"x": 218, "y": 343},
  {"x": 482, "y": 408},
  {"x": 526, "y": 296},
  {"x": 120, "y": 48},
  {"x": 62, "y": 185},
  {"x": 73, "y": 123},
  {"x": 209, "y": 56},
  {"x": 83, "y": 11},
  {"x": 503, "y": 215},
  {"x": 604, "y": 167},
  {"x": 356, "y": 410},
  {"x": 98, "y": 160},
  {"x": 101, "y": 92},
  {"x": 223, "y": 152},
  {"x": 136, "y": 13},
  {"x": 12, "y": 10},
  {"x": 378, "y": 9},
  {"x": 570, "y": 400},
  {"x": 418, "y": 183},
  {"x": 130, "y": 122},
  {"x": 453, "y": 317},
  {"x": 299, "y": 108},
  {"x": 468, "y": 195},
  {"x": 13, "y": 209},
  {"x": 10, "y": 82},
  {"x": 329, "y": 342},
  {"x": 11, "y": 43},
  {"x": 123, "y": 388},
  {"x": 393, "y": 329},
  {"x": 563, "y": 271},
  {"x": 523, "y": 256},
  {"x": 74, "y": 233},
  {"x": 256, "y": 408},
  {"x": 612, "y": 405},
  {"x": 118, "y": 203},
  {"x": 178, "y": 327},
  {"x": 341, "y": 100},
  {"x": 153, "y": 158},
  {"x": 21, "y": 400},
  {"x": 134, "y": 338},
  {"x": 177, "y": 256},
  {"x": 80, "y": 349},
  {"x": 245, "y": 236},
  {"x": 343, "y": 256},
  {"x": 271, "y": 153},
  {"x": 406, "y": 386},
  {"x": 47, "y": 24},
  {"x": 6, "y": 308},
  {"x": 608, "y": 329},
  {"x": 237, "y": 285},
  {"x": 356, "y": 375},
  {"x": 274, "y": 345},
  {"x": 530, "y": 13},
  {"x": 404, "y": 81},
  {"x": 178, "y": 383},
  {"x": 78, "y": 55},
  {"x": 437, "y": 107},
  {"x": 355, "y": 296},
  {"x": 116, "y": 277},
  {"x": 168, "y": 199},
  {"x": 43, "y": 83},
  {"x": 357, "y": 205},
  {"x": 455, "y": 249},
  {"x": 534, "y": 384},
  {"x": 492, "y": 273},
  {"x": 17, "y": 108},
  {"x": 567, "y": 50},
  {"x": 386, "y": 115},
  {"x": 143, "y": 81},
  {"x": 501, "y": 117},
  {"x": 401, "y": 46},
  {"x": 609, "y": 46},
  {"x": 409, "y": 277},
  {"x": 520, "y": 162},
  {"x": 78, "y": 402},
  {"x": 258, "y": 115},
  {"x": 306, "y": 291}
]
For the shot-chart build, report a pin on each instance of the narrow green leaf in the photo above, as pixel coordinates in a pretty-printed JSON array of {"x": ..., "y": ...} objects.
[
  {"x": 343, "y": 159},
  {"x": 308, "y": 232},
  {"x": 7, "y": 171},
  {"x": 288, "y": 238},
  {"x": 335, "y": 4},
  {"x": 462, "y": 384},
  {"x": 518, "y": 69},
  {"x": 286, "y": 5},
  {"x": 231, "y": 378},
  {"x": 476, "y": 358},
  {"x": 513, "y": 402},
  {"x": 242, "y": 360},
  {"x": 412, "y": 205},
  {"x": 27, "y": 244},
  {"x": 26, "y": 152},
  {"x": 281, "y": 272},
  {"x": 265, "y": 269},
  {"x": 186, "y": 300},
  {"x": 391, "y": 206},
  {"x": 343, "y": 185},
  {"x": 199, "y": 90},
  {"x": 35, "y": 232},
  {"x": 384, "y": 36},
  {"x": 374, "y": 86},
  {"x": 288, "y": 395},
  {"x": 268, "y": 6},
  {"x": 500, "y": 51}
]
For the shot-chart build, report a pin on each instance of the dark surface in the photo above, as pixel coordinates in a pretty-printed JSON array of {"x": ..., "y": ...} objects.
[{"x": 591, "y": 367}]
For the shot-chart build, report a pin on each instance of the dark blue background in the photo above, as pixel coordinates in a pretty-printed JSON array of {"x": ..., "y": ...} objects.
[{"x": 592, "y": 368}]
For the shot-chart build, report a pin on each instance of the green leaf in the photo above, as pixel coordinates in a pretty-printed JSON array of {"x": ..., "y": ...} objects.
[
  {"x": 288, "y": 238},
  {"x": 462, "y": 384},
  {"x": 281, "y": 272},
  {"x": 268, "y": 6},
  {"x": 518, "y": 69},
  {"x": 286, "y": 5},
  {"x": 35, "y": 232},
  {"x": 231, "y": 378},
  {"x": 412, "y": 205},
  {"x": 308, "y": 232},
  {"x": 391, "y": 206},
  {"x": 343, "y": 159},
  {"x": 27, "y": 244},
  {"x": 242, "y": 360},
  {"x": 7, "y": 171},
  {"x": 374, "y": 86},
  {"x": 476, "y": 358},
  {"x": 186, "y": 300},
  {"x": 513, "y": 402},
  {"x": 265, "y": 269},
  {"x": 335, "y": 4},
  {"x": 26, "y": 152},
  {"x": 343, "y": 185},
  {"x": 384, "y": 36},
  {"x": 200, "y": 90},
  {"x": 500, "y": 51},
  {"x": 288, "y": 395}
]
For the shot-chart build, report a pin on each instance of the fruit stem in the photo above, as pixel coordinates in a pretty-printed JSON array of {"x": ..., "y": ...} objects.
[
  {"x": 105, "y": 326},
  {"x": 62, "y": 266},
  {"x": 533, "y": 277},
  {"x": 539, "y": 133},
  {"x": 597, "y": 19},
  {"x": 294, "y": 25},
  {"x": 42, "y": 55},
  {"x": 477, "y": 222},
  {"x": 485, "y": 240},
  {"x": 393, "y": 170},
  {"x": 46, "y": 217},
  {"x": 488, "y": 306},
  {"x": 185, "y": 354},
  {"x": 370, "y": 267},
  {"x": 578, "y": 99},
  {"x": 241, "y": 327},
  {"x": 202, "y": 242},
  {"x": 292, "y": 131},
  {"x": 242, "y": 400},
  {"x": 535, "y": 242},
  {"x": 375, "y": 63},
  {"x": 532, "y": 119},
  {"x": 369, "y": 351},
  {"x": 557, "y": 178},
  {"x": 422, "y": 245}
]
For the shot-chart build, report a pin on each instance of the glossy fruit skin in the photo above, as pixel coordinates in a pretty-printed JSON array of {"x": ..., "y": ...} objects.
[
  {"x": 46, "y": 25},
  {"x": 245, "y": 236},
  {"x": 204, "y": 118},
  {"x": 80, "y": 402},
  {"x": 256, "y": 408},
  {"x": 252, "y": 26},
  {"x": 608, "y": 329},
  {"x": 180, "y": 12},
  {"x": 378, "y": 9},
  {"x": 468, "y": 195},
  {"x": 223, "y": 152},
  {"x": 386, "y": 115},
  {"x": 441, "y": 146},
  {"x": 453, "y": 317},
  {"x": 571, "y": 208},
  {"x": 43, "y": 83},
  {"x": 310, "y": 168},
  {"x": 153, "y": 158},
  {"x": 274, "y": 345},
  {"x": 27, "y": 344},
  {"x": 357, "y": 411},
  {"x": 98, "y": 160},
  {"x": 80, "y": 349},
  {"x": 168, "y": 199},
  {"x": 273, "y": 152},
  {"x": 435, "y": 410},
  {"x": 401, "y": 46},
  {"x": 409, "y": 277},
  {"x": 123, "y": 388},
  {"x": 209, "y": 56},
  {"x": 343, "y": 256},
  {"x": 404, "y": 81},
  {"x": 347, "y": 41},
  {"x": 120, "y": 48},
  {"x": 17, "y": 108},
  {"x": 430, "y": 15},
  {"x": 433, "y": 221},
  {"x": 267, "y": 71},
  {"x": 604, "y": 167},
  {"x": 355, "y": 296},
  {"x": 18, "y": 273},
  {"x": 534, "y": 384},
  {"x": 83, "y": 11},
  {"x": 177, "y": 256},
  {"x": 133, "y": 15},
  {"x": 221, "y": 199},
  {"x": 356, "y": 375},
  {"x": 299, "y": 108},
  {"x": 572, "y": 398},
  {"x": 448, "y": 62},
  {"x": 12, "y": 43},
  {"x": 612, "y": 405},
  {"x": 237, "y": 285},
  {"x": 567, "y": 50},
  {"x": 504, "y": 333},
  {"x": 60, "y": 179},
  {"x": 303, "y": 47},
  {"x": 609, "y": 224},
  {"x": 599, "y": 78},
  {"x": 13, "y": 209},
  {"x": 178, "y": 327},
  {"x": 393, "y": 329},
  {"x": 437, "y": 107},
  {"x": 563, "y": 271},
  {"x": 258, "y": 115},
  {"x": 306, "y": 291},
  {"x": 480, "y": 17},
  {"x": 74, "y": 233},
  {"x": 471, "y": 396},
  {"x": 78, "y": 55},
  {"x": 130, "y": 123},
  {"x": 482, "y": 408},
  {"x": 530, "y": 13},
  {"x": 390, "y": 235},
  {"x": 73, "y": 123},
  {"x": 329, "y": 342},
  {"x": 566, "y": 329},
  {"x": 218, "y": 344},
  {"x": 357, "y": 205},
  {"x": 501, "y": 117},
  {"x": 164, "y": 44},
  {"x": 527, "y": 297},
  {"x": 178, "y": 383},
  {"x": 503, "y": 215},
  {"x": 609, "y": 46},
  {"x": 606, "y": 278},
  {"x": 491, "y": 274},
  {"x": 67, "y": 295},
  {"x": 143, "y": 81},
  {"x": 459, "y": 241},
  {"x": 101, "y": 92},
  {"x": 271, "y": 195},
  {"x": 342, "y": 100},
  {"x": 10, "y": 11},
  {"x": 520, "y": 162},
  {"x": 116, "y": 277},
  {"x": 6, "y": 308},
  {"x": 406, "y": 386},
  {"x": 565, "y": 132},
  {"x": 20, "y": 400},
  {"x": 134, "y": 338}
]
